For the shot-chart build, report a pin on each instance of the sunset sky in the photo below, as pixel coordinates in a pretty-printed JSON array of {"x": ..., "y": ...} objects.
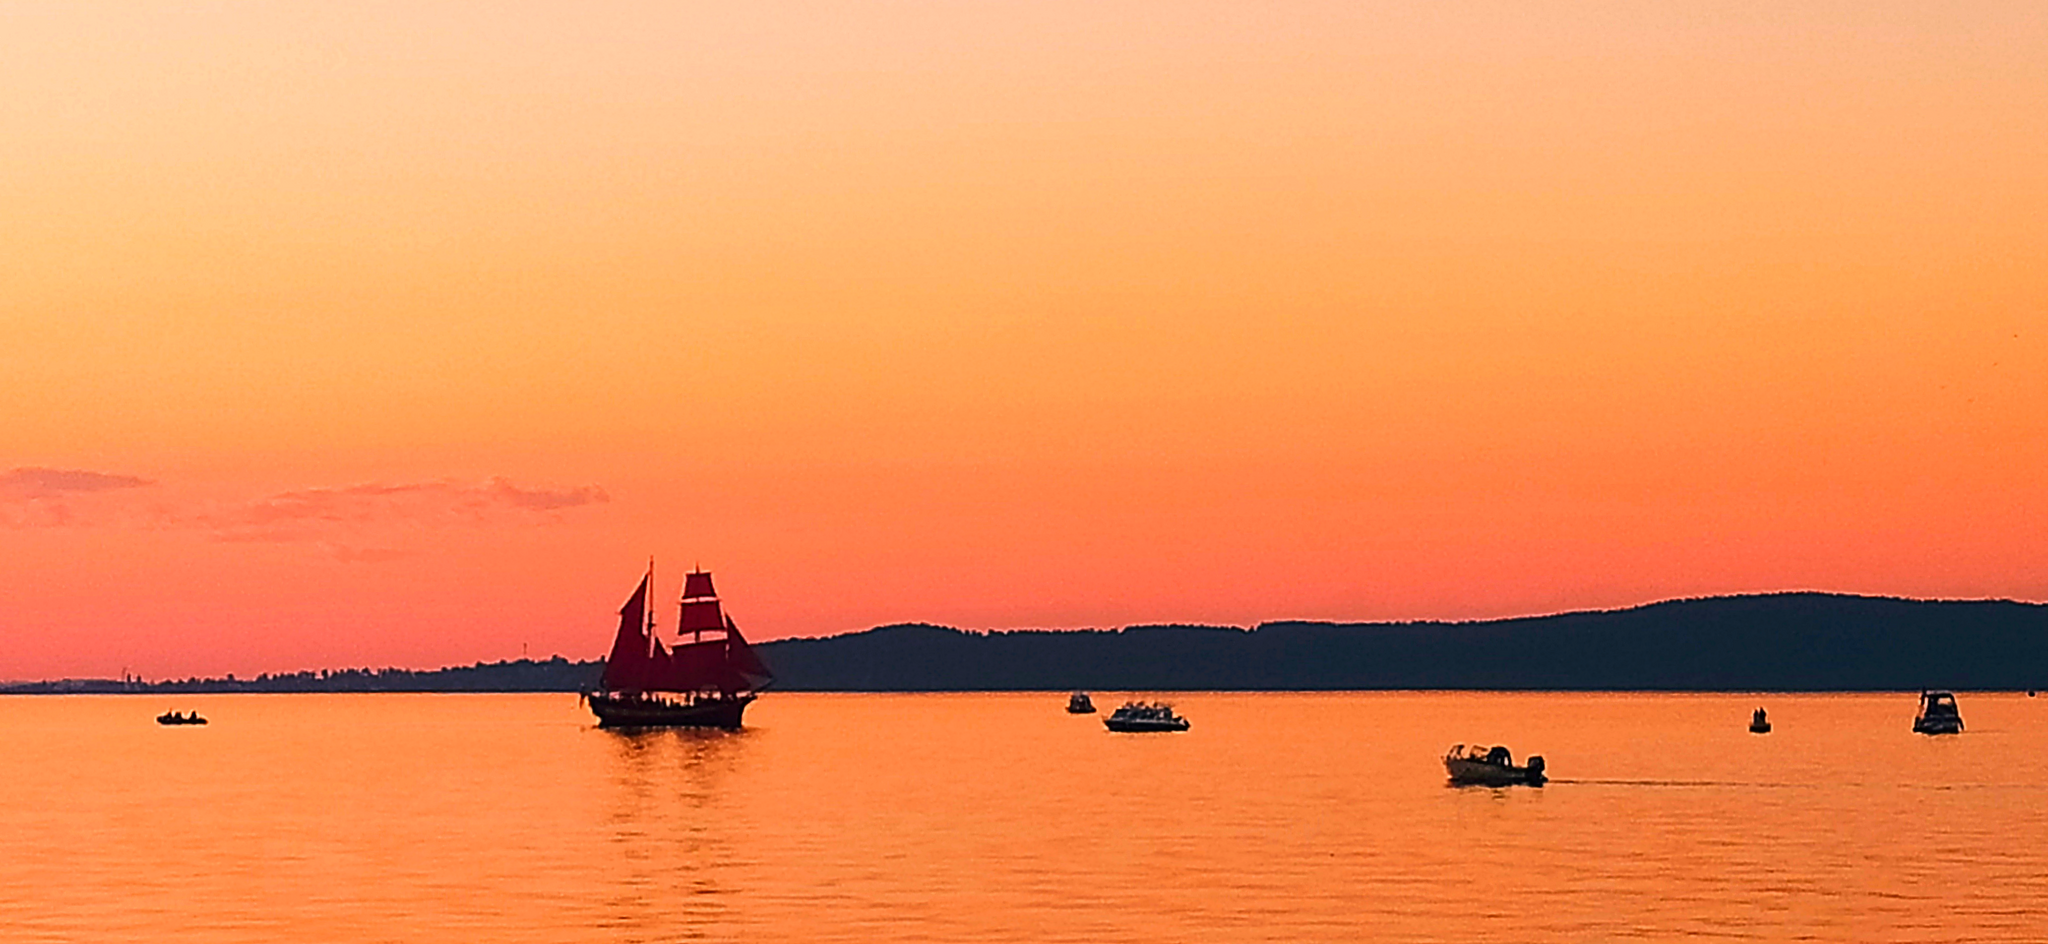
[{"x": 403, "y": 333}]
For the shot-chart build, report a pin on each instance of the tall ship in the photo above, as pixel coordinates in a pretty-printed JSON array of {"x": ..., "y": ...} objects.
[{"x": 705, "y": 679}]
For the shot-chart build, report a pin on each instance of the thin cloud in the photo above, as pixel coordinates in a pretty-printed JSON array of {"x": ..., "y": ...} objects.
[
  {"x": 311, "y": 513},
  {"x": 364, "y": 555},
  {"x": 38, "y": 483},
  {"x": 36, "y": 497},
  {"x": 360, "y": 523},
  {"x": 545, "y": 499},
  {"x": 257, "y": 535}
]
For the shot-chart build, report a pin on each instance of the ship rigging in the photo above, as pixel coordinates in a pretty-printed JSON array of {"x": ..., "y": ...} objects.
[{"x": 707, "y": 678}]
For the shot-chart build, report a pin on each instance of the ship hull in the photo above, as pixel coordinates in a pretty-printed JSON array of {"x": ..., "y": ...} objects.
[
  {"x": 616, "y": 711},
  {"x": 1143, "y": 726},
  {"x": 1479, "y": 773},
  {"x": 1938, "y": 725}
]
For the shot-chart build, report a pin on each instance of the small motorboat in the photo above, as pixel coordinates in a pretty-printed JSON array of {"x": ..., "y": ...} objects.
[
  {"x": 173, "y": 717},
  {"x": 1758, "y": 724},
  {"x": 1938, "y": 714},
  {"x": 1079, "y": 704},
  {"x": 1138, "y": 717},
  {"x": 1491, "y": 767}
]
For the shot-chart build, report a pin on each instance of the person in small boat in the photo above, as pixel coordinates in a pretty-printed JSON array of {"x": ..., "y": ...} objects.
[{"x": 1500, "y": 755}]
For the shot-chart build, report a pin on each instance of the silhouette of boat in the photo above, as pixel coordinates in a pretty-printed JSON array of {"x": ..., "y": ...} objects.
[
  {"x": 172, "y": 717},
  {"x": 1758, "y": 724},
  {"x": 706, "y": 680},
  {"x": 1139, "y": 717},
  {"x": 1491, "y": 767},
  {"x": 1938, "y": 714},
  {"x": 1079, "y": 704}
]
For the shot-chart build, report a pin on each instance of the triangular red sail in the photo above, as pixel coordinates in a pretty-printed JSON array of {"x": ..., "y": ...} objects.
[
  {"x": 661, "y": 670},
  {"x": 742, "y": 657},
  {"x": 626, "y": 669}
]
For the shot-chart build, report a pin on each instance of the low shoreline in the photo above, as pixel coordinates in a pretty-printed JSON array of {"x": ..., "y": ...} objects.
[{"x": 1784, "y": 642}]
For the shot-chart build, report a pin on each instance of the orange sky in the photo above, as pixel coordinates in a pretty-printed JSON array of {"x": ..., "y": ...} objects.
[{"x": 424, "y": 326}]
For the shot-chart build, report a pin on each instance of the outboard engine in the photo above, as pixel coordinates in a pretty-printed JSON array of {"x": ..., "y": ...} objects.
[{"x": 1536, "y": 769}]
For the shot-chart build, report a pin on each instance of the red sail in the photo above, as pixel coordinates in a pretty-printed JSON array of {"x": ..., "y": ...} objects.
[
  {"x": 699, "y": 615},
  {"x": 701, "y": 665},
  {"x": 728, "y": 665},
  {"x": 627, "y": 668},
  {"x": 698, "y": 585},
  {"x": 686, "y": 668},
  {"x": 742, "y": 657},
  {"x": 690, "y": 667},
  {"x": 724, "y": 663},
  {"x": 661, "y": 671}
]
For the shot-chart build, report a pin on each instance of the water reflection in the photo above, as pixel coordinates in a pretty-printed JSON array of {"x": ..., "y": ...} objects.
[
  {"x": 878, "y": 819},
  {"x": 671, "y": 833}
]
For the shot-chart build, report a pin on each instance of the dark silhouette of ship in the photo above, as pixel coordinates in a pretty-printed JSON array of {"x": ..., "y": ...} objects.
[
  {"x": 705, "y": 680},
  {"x": 1080, "y": 704},
  {"x": 173, "y": 717},
  {"x": 1938, "y": 714},
  {"x": 1139, "y": 717},
  {"x": 1759, "y": 723}
]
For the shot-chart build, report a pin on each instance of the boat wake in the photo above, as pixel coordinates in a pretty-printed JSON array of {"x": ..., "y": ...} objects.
[{"x": 1676, "y": 783}]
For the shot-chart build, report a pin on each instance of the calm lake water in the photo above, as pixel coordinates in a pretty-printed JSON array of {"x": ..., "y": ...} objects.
[{"x": 882, "y": 818}]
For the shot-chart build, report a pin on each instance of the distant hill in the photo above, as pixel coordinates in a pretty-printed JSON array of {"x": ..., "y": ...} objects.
[
  {"x": 1769, "y": 642},
  {"x": 1782, "y": 642}
]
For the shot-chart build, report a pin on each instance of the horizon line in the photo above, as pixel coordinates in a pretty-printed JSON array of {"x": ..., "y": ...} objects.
[{"x": 988, "y": 631}]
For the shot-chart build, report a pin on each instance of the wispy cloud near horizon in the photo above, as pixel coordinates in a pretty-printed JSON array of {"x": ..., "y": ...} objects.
[
  {"x": 38, "y": 497},
  {"x": 362, "y": 523},
  {"x": 314, "y": 513},
  {"x": 364, "y": 555},
  {"x": 35, "y": 482}
]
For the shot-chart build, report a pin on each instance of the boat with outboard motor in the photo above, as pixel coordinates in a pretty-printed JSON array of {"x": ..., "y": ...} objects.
[
  {"x": 706, "y": 680},
  {"x": 1079, "y": 704},
  {"x": 1491, "y": 767},
  {"x": 1758, "y": 724},
  {"x": 1140, "y": 717},
  {"x": 1938, "y": 714},
  {"x": 173, "y": 717}
]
